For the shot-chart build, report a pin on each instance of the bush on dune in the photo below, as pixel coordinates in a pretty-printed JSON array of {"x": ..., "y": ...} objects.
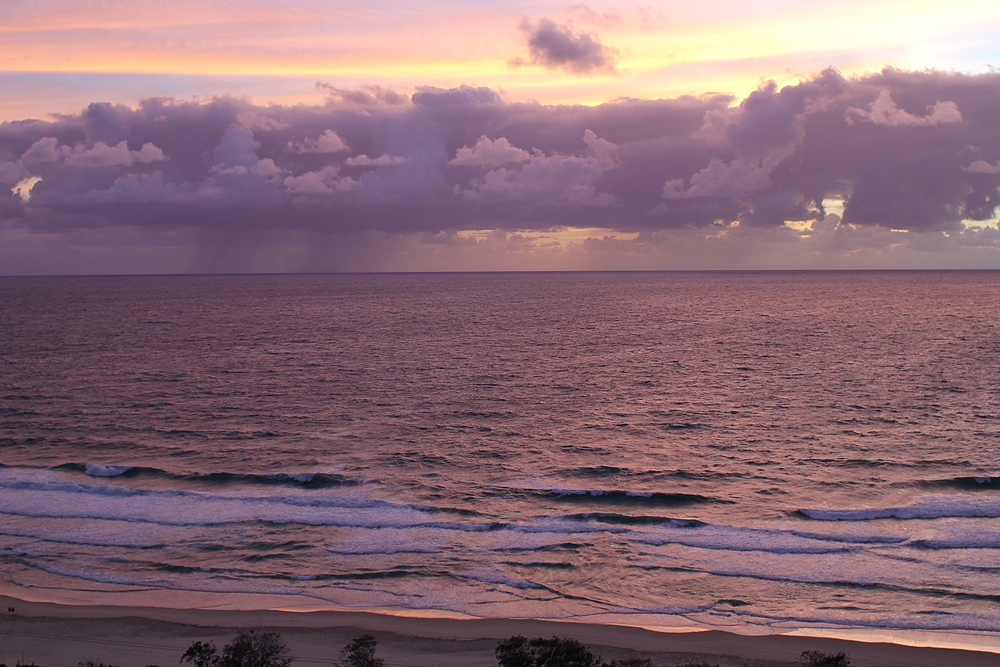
[
  {"x": 521, "y": 652},
  {"x": 361, "y": 653},
  {"x": 201, "y": 654},
  {"x": 248, "y": 649},
  {"x": 265, "y": 649},
  {"x": 820, "y": 659}
]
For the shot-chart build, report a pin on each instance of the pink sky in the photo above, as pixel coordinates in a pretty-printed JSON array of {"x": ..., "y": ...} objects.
[{"x": 485, "y": 135}]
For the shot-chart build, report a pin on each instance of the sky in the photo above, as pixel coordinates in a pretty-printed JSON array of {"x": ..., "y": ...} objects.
[{"x": 146, "y": 136}]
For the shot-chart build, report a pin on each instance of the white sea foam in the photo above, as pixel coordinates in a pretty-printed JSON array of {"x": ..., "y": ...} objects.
[
  {"x": 931, "y": 507},
  {"x": 116, "y": 535},
  {"x": 559, "y": 527},
  {"x": 727, "y": 538},
  {"x": 859, "y": 536},
  {"x": 355, "y": 508},
  {"x": 100, "y": 577},
  {"x": 98, "y": 470}
]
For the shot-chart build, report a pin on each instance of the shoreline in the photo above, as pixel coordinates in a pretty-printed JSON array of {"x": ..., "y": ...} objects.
[{"x": 53, "y": 634}]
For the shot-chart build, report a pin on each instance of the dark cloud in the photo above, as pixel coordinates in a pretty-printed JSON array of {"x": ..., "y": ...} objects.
[
  {"x": 555, "y": 46},
  {"x": 367, "y": 96},
  {"x": 436, "y": 98},
  {"x": 901, "y": 150}
]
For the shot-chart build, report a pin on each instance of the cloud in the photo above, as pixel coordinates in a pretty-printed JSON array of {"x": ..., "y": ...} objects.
[
  {"x": 731, "y": 180},
  {"x": 323, "y": 182},
  {"x": 22, "y": 189},
  {"x": 381, "y": 161},
  {"x": 253, "y": 120},
  {"x": 43, "y": 150},
  {"x": 488, "y": 153},
  {"x": 102, "y": 155},
  {"x": 11, "y": 172},
  {"x": 982, "y": 167},
  {"x": 551, "y": 179},
  {"x": 555, "y": 46},
  {"x": 328, "y": 142},
  {"x": 237, "y": 148},
  {"x": 368, "y": 96},
  {"x": 436, "y": 98},
  {"x": 48, "y": 150},
  {"x": 459, "y": 159},
  {"x": 885, "y": 112}
]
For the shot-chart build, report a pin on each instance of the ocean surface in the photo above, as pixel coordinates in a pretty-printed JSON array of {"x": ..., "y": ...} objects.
[{"x": 751, "y": 451}]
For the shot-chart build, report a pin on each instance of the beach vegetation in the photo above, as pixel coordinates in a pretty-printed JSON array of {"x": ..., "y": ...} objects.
[
  {"x": 820, "y": 659},
  {"x": 521, "y": 652},
  {"x": 361, "y": 653},
  {"x": 248, "y": 649},
  {"x": 630, "y": 662},
  {"x": 251, "y": 649},
  {"x": 201, "y": 654}
]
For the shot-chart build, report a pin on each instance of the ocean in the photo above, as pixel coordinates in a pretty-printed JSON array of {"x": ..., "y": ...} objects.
[{"x": 759, "y": 452}]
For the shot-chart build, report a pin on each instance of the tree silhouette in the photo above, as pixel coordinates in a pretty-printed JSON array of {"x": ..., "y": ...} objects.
[
  {"x": 820, "y": 659},
  {"x": 248, "y": 649},
  {"x": 361, "y": 653},
  {"x": 520, "y": 652}
]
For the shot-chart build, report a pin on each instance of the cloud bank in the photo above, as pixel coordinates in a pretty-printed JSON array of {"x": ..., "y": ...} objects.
[{"x": 894, "y": 152}]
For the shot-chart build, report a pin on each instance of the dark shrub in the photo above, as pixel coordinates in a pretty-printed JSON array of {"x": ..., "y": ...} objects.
[
  {"x": 555, "y": 652},
  {"x": 820, "y": 659},
  {"x": 630, "y": 662},
  {"x": 255, "y": 650},
  {"x": 361, "y": 653},
  {"x": 248, "y": 649},
  {"x": 201, "y": 654}
]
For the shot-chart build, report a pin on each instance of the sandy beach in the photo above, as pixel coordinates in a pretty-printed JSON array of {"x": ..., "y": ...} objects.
[{"x": 57, "y": 635}]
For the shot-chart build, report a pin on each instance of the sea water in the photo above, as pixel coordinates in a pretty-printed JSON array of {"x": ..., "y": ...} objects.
[{"x": 750, "y": 451}]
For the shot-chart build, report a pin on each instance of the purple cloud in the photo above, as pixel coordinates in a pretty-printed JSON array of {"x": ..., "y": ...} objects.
[
  {"x": 900, "y": 150},
  {"x": 555, "y": 46}
]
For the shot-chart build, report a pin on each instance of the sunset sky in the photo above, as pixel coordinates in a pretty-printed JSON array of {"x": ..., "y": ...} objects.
[{"x": 151, "y": 136}]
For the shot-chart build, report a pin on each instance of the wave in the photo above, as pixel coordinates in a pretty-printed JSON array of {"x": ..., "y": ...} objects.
[
  {"x": 939, "y": 621},
  {"x": 115, "y": 542},
  {"x": 852, "y": 538},
  {"x": 380, "y": 551},
  {"x": 970, "y": 543},
  {"x": 980, "y": 483},
  {"x": 97, "y": 470},
  {"x": 503, "y": 581},
  {"x": 934, "y": 507},
  {"x": 642, "y": 498},
  {"x": 304, "y": 480},
  {"x": 614, "y": 496},
  {"x": 814, "y": 577},
  {"x": 59, "y": 499},
  {"x": 730, "y": 538},
  {"x": 628, "y": 520},
  {"x": 542, "y": 564}
]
